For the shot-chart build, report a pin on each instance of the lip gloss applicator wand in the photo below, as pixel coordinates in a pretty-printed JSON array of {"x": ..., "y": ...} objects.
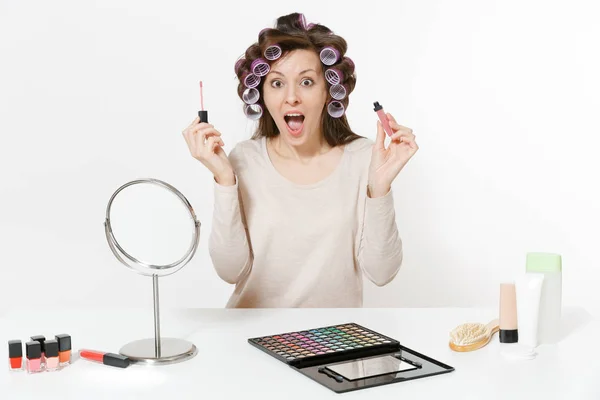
[{"x": 203, "y": 114}]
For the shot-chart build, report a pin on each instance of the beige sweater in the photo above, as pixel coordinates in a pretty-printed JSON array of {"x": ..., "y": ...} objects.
[{"x": 288, "y": 245}]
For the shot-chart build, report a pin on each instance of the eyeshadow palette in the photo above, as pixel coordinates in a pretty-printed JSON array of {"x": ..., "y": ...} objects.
[
  {"x": 341, "y": 339},
  {"x": 348, "y": 356}
]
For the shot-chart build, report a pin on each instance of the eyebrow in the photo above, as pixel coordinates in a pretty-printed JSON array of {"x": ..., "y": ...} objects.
[{"x": 300, "y": 73}]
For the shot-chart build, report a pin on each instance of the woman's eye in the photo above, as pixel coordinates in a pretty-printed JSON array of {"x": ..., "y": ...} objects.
[
  {"x": 310, "y": 82},
  {"x": 276, "y": 84}
]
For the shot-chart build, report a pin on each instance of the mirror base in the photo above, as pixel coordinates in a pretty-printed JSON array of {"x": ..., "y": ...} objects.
[{"x": 172, "y": 351}]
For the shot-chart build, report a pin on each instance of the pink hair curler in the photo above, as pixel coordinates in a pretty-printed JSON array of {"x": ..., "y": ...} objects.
[
  {"x": 250, "y": 80},
  {"x": 273, "y": 52},
  {"x": 310, "y": 26},
  {"x": 250, "y": 95},
  {"x": 335, "y": 109},
  {"x": 329, "y": 55},
  {"x": 260, "y": 67},
  {"x": 338, "y": 91},
  {"x": 253, "y": 111},
  {"x": 334, "y": 76}
]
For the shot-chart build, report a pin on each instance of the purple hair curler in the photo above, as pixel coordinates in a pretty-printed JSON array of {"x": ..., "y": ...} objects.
[
  {"x": 250, "y": 80},
  {"x": 335, "y": 109},
  {"x": 338, "y": 91},
  {"x": 250, "y": 95},
  {"x": 260, "y": 67},
  {"x": 273, "y": 52},
  {"x": 253, "y": 111},
  {"x": 334, "y": 76},
  {"x": 302, "y": 21},
  {"x": 238, "y": 65},
  {"x": 329, "y": 55},
  {"x": 310, "y": 26}
]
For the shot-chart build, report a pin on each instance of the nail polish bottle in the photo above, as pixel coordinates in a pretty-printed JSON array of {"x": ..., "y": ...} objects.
[
  {"x": 64, "y": 349},
  {"x": 51, "y": 347},
  {"x": 15, "y": 355},
  {"x": 33, "y": 351},
  {"x": 41, "y": 339}
]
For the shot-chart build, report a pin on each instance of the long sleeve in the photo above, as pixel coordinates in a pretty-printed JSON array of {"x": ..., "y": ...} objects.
[
  {"x": 228, "y": 244},
  {"x": 380, "y": 253}
]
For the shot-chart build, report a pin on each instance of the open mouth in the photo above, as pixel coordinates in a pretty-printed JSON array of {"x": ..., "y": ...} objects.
[{"x": 294, "y": 121}]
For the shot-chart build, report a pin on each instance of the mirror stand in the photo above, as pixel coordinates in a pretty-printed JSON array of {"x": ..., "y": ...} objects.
[{"x": 158, "y": 350}]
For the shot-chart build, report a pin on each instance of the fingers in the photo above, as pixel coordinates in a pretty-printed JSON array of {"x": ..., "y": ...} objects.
[
  {"x": 404, "y": 137},
  {"x": 380, "y": 140}
]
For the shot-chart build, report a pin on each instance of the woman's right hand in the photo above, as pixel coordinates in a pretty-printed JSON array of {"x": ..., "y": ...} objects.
[{"x": 205, "y": 145}]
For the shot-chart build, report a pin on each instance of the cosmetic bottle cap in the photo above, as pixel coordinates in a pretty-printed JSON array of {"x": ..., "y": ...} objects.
[
  {"x": 41, "y": 339},
  {"x": 508, "y": 335},
  {"x": 51, "y": 347},
  {"x": 64, "y": 342},
  {"x": 116, "y": 360},
  {"x": 203, "y": 115},
  {"x": 543, "y": 262},
  {"x": 15, "y": 348},
  {"x": 377, "y": 106},
  {"x": 33, "y": 350}
]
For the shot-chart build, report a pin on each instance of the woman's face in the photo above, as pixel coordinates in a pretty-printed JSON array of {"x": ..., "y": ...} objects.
[{"x": 295, "y": 93}]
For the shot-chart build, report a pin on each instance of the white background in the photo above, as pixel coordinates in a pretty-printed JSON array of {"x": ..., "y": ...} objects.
[{"x": 503, "y": 97}]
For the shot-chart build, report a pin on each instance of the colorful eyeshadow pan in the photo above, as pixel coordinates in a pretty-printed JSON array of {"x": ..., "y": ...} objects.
[{"x": 340, "y": 339}]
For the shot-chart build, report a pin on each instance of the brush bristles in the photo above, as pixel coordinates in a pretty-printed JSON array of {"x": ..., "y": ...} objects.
[{"x": 468, "y": 333}]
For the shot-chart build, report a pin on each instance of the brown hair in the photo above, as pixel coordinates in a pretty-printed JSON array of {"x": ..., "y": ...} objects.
[{"x": 291, "y": 34}]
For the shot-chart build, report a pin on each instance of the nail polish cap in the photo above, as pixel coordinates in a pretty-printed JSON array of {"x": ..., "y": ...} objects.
[
  {"x": 377, "y": 106},
  {"x": 33, "y": 349},
  {"x": 543, "y": 262},
  {"x": 41, "y": 339},
  {"x": 51, "y": 347},
  {"x": 64, "y": 342},
  {"x": 15, "y": 348}
]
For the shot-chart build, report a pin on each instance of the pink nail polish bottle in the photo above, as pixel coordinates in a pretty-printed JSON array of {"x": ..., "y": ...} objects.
[
  {"x": 51, "y": 347},
  {"x": 33, "y": 351},
  {"x": 41, "y": 339}
]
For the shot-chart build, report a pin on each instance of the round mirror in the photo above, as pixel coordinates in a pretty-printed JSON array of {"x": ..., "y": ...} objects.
[{"x": 152, "y": 229}]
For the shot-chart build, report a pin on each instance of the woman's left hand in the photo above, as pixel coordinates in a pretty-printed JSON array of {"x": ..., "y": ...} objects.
[{"x": 386, "y": 164}]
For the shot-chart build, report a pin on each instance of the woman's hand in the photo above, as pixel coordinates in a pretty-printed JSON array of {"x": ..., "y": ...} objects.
[
  {"x": 386, "y": 164},
  {"x": 205, "y": 145}
]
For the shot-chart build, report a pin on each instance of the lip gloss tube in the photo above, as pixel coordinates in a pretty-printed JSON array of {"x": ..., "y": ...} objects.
[
  {"x": 115, "y": 360},
  {"x": 383, "y": 118},
  {"x": 41, "y": 339},
  {"x": 64, "y": 349},
  {"x": 33, "y": 351},
  {"x": 15, "y": 355},
  {"x": 51, "y": 347}
]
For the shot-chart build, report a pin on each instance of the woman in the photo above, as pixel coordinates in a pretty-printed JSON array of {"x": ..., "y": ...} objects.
[{"x": 304, "y": 208}]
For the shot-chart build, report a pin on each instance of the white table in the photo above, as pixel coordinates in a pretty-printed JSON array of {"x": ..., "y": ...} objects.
[{"x": 227, "y": 366}]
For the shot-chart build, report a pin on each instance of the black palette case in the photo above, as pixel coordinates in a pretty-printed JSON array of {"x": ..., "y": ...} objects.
[{"x": 348, "y": 357}]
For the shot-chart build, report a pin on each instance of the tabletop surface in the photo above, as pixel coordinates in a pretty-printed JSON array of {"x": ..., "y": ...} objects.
[{"x": 228, "y": 366}]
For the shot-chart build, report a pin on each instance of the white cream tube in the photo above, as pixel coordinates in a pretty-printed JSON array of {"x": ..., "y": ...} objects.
[{"x": 529, "y": 290}]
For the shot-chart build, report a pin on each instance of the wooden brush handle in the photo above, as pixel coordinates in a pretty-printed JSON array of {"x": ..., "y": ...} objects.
[{"x": 493, "y": 326}]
